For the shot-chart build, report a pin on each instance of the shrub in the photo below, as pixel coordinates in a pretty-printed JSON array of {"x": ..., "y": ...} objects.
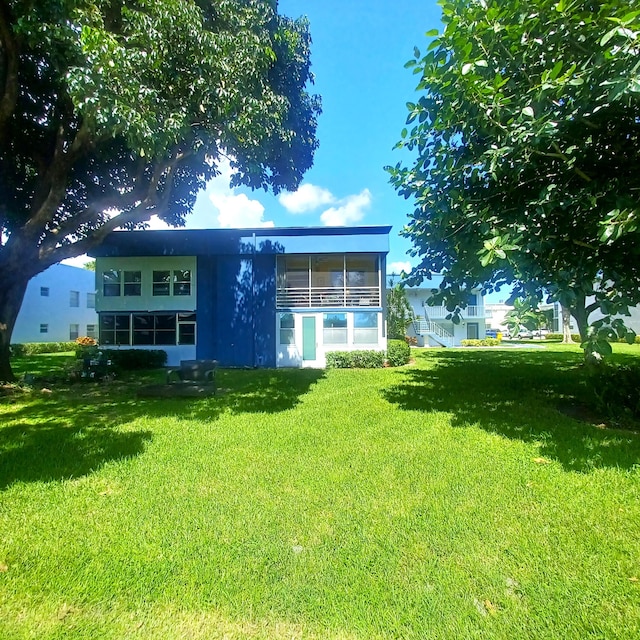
[
  {"x": 616, "y": 390},
  {"x": 355, "y": 359},
  {"x": 485, "y": 342},
  {"x": 130, "y": 359},
  {"x": 558, "y": 336},
  {"x": 37, "y": 348},
  {"x": 398, "y": 353}
]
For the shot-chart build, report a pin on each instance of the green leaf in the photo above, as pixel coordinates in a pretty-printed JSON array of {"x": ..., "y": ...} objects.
[
  {"x": 607, "y": 36},
  {"x": 528, "y": 111},
  {"x": 432, "y": 33},
  {"x": 466, "y": 68}
]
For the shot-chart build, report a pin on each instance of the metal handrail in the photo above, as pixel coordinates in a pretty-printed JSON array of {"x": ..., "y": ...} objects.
[
  {"x": 472, "y": 311},
  {"x": 427, "y": 327}
]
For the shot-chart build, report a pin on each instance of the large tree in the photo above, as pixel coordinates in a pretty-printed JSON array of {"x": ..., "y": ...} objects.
[
  {"x": 527, "y": 133},
  {"x": 114, "y": 110}
]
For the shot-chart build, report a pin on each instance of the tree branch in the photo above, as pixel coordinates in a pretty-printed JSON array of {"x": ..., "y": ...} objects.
[{"x": 10, "y": 54}]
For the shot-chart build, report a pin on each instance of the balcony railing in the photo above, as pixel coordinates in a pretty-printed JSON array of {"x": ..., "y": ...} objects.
[
  {"x": 472, "y": 311},
  {"x": 291, "y": 297}
]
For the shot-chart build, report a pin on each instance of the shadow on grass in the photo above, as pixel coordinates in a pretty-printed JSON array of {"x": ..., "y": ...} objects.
[
  {"x": 518, "y": 395},
  {"x": 55, "y": 451},
  {"x": 67, "y": 431}
]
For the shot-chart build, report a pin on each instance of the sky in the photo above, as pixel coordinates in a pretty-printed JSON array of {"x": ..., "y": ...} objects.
[{"x": 358, "y": 54}]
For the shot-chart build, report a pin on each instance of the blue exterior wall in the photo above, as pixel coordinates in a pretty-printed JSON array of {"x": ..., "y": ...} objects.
[{"x": 236, "y": 310}]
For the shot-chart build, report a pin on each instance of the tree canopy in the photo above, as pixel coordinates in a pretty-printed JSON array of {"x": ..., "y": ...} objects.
[
  {"x": 527, "y": 171},
  {"x": 114, "y": 110}
]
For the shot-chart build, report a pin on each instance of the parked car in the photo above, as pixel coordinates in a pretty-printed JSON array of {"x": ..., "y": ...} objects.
[
  {"x": 524, "y": 334},
  {"x": 492, "y": 333}
]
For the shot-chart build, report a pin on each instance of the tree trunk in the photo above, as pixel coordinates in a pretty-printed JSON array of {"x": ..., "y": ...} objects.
[
  {"x": 579, "y": 312},
  {"x": 566, "y": 325},
  {"x": 14, "y": 284}
]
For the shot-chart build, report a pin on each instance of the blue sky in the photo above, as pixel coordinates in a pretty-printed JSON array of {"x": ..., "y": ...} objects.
[{"x": 358, "y": 54}]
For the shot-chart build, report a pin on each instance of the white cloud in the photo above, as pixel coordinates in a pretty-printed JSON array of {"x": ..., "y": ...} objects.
[
  {"x": 349, "y": 211},
  {"x": 399, "y": 267},
  {"x": 307, "y": 198},
  {"x": 234, "y": 210},
  {"x": 239, "y": 211}
]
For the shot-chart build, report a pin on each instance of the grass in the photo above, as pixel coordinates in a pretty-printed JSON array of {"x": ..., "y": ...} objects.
[{"x": 447, "y": 499}]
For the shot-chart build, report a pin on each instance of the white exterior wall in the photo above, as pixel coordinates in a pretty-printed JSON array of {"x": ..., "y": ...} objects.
[
  {"x": 55, "y": 310},
  {"x": 290, "y": 355},
  {"x": 418, "y": 297},
  {"x": 495, "y": 314}
]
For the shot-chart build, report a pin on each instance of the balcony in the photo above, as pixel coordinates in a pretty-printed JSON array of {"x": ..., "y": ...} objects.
[
  {"x": 321, "y": 297},
  {"x": 472, "y": 311}
]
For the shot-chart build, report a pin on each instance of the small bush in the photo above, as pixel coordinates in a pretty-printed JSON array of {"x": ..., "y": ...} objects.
[
  {"x": 616, "y": 390},
  {"x": 485, "y": 342},
  {"x": 130, "y": 359},
  {"x": 558, "y": 336},
  {"x": 355, "y": 359},
  {"x": 37, "y": 348},
  {"x": 398, "y": 353}
]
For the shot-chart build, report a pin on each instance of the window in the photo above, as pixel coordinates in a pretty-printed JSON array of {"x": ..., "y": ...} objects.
[
  {"x": 287, "y": 328},
  {"x": 91, "y": 331},
  {"x": 74, "y": 298},
  {"x": 74, "y": 331},
  {"x": 44, "y": 292},
  {"x": 114, "y": 328},
  {"x": 177, "y": 282},
  {"x": 362, "y": 271},
  {"x": 327, "y": 271},
  {"x": 132, "y": 283},
  {"x": 110, "y": 283},
  {"x": 148, "y": 328},
  {"x": 293, "y": 272},
  {"x": 44, "y": 328},
  {"x": 365, "y": 327},
  {"x": 161, "y": 283},
  {"x": 186, "y": 328},
  {"x": 334, "y": 328},
  {"x": 91, "y": 301},
  {"x": 182, "y": 282}
]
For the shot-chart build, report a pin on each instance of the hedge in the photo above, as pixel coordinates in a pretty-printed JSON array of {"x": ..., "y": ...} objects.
[
  {"x": 558, "y": 336},
  {"x": 398, "y": 353},
  {"x": 355, "y": 359},
  {"x": 35, "y": 348},
  {"x": 485, "y": 342},
  {"x": 129, "y": 359},
  {"x": 576, "y": 338}
]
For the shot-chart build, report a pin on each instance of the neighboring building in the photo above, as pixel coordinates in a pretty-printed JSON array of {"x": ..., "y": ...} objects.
[
  {"x": 58, "y": 306},
  {"x": 495, "y": 314},
  {"x": 431, "y": 326},
  {"x": 245, "y": 297},
  {"x": 631, "y": 321}
]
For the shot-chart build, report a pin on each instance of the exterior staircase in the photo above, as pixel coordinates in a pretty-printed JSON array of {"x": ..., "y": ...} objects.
[{"x": 433, "y": 330}]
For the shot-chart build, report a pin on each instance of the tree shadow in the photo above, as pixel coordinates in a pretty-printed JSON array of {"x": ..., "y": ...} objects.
[
  {"x": 32, "y": 452},
  {"x": 519, "y": 395},
  {"x": 69, "y": 431}
]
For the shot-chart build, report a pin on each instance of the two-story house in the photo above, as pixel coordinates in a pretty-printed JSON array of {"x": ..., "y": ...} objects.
[
  {"x": 431, "y": 326},
  {"x": 245, "y": 297}
]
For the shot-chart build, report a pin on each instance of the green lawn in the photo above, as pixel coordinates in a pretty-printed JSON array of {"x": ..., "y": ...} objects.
[{"x": 453, "y": 498}]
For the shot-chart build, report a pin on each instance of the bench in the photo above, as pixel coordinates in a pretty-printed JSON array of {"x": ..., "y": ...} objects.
[{"x": 194, "y": 372}]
